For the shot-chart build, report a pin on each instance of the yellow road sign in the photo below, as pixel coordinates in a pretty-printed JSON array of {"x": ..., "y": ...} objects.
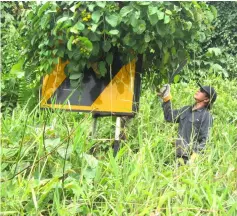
[{"x": 117, "y": 93}]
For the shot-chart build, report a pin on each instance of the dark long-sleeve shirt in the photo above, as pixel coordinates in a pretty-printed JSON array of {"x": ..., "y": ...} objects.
[{"x": 194, "y": 126}]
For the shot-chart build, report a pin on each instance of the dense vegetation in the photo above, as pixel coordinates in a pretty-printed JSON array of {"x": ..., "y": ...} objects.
[
  {"x": 144, "y": 176},
  {"x": 47, "y": 166}
]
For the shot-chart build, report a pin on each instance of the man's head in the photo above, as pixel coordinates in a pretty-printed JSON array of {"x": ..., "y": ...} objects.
[{"x": 206, "y": 95}]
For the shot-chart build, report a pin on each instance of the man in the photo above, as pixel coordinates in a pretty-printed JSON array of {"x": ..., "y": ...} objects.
[{"x": 194, "y": 121}]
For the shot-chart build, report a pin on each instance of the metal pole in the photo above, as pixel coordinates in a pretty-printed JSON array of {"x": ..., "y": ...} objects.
[
  {"x": 118, "y": 128},
  {"x": 117, "y": 135}
]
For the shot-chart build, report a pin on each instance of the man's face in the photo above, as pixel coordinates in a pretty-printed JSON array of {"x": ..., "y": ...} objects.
[{"x": 201, "y": 95}]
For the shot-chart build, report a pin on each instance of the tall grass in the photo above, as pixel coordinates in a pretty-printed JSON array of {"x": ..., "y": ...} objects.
[{"x": 143, "y": 179}]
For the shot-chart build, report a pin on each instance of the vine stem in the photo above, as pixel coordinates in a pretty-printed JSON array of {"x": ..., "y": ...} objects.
[
  {"x": 45, "y": 156},
  {"x": 19, "y": 153}
]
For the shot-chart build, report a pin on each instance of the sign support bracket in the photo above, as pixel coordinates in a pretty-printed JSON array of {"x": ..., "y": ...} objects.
[{"x": 117, "y": 138}]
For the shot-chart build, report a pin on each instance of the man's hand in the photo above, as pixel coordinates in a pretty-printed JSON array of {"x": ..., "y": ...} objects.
[{"x": 164, "y": 93}]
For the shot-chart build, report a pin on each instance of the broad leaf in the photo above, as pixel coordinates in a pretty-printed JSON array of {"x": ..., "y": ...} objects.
[
  {"x": 112, "y": 20},
  {"x": 160, "y": 15},
  {"x": 167, "y": 19},
  {"x": 17, "y": 69},
  {"x": 63, "y": 19},
  {"x": 141, "y": 27},
  {"x": 152, "y": 10},
  {"x": 52, "y": 143},
  {"x": 63, "y": 152},
  {"x": 176, "y": 78},
  {"x": 133, "y": 21},
  {"x": 147, "y": 38},
  {"x": 109, "y": 58},
  {"x": 75, "y": 83},
  {"x": 77, "y": 28},
  {"x": 101, "y": 3},
  {"x": 45, "y": 20},
  {"x": 96, "y": 49},
  {"x": 114, "y": 32},
  {"x": 96, "y": 16},
  {"x": 214, "y": 51},
  {"x": 125, "y": 11},
  {"x": 84, "y": 41},
  {"x": 102, "y": 68},
  {"x": 106, "y": 46},
  {"x": 94, "y": 27},
  {"x": 188, "y": 25},
  {"x": 92, "y": 36},
  {"x": 75, "y": 76},
  {"x": 153, "y": 19},
  {"x": 43, "y": 8},
  {"x": 69, "y": 43},
  {"x": 128, "y": 40}
]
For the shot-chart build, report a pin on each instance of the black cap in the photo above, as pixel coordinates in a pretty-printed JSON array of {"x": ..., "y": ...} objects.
[{"x": 211, "y": 93}]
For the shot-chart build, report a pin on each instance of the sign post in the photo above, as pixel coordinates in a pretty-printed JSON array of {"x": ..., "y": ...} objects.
[{"x": 116, "y": 94}]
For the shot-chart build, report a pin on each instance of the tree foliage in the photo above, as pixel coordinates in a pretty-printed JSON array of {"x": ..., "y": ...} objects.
[
  {"x": 225, "y": 31},
  {"x": 217, "y": 53},
  {"x": 9, "y": 54},
  {"x": 87, "y": 33}
]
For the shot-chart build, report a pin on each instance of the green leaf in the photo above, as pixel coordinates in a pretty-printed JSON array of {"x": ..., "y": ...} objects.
[
  {"x": 109, "y": 58},
  {"x": 92, "y": 36},
  {"x": 101, "y": 3},
  {"x": 152, "y": 10},
  {"x": 214, "y": 11},
  {"x": 91, "y": 7},
  {"x": 62, "y": 151},
  {"x": 51, "y": 143},
  {"x": 166, "y": 57},
  {"x": 112, "y": 20},
  {"x": 168, "y": 12},
  {"x": 63, "y": 19},
  {"x": 106, "y": 46},
  {"x": 84, "y": 41},
  {"x": 102, "y": 68},
  {"x": 160, "y": 15},
  {"x": 69, "y": 43},
  {"x": 44, "y": 21},
  {"x": 214, "y": 51},
  {"x": 141, "y": 27},
  {"x": 75, "y": 83},
  {"x": 188, "y": 25},
  {"x": 17, "y": 69},
  {"x": 210, "y": 16},
  {"x": 125, "y": 11},
  {"x": 60, "y": 52},
  {"x": 128, "y": 40},
  {"x": 96, "y": 49},
  {"x": 74, "y": 7},
  {"x": 165, "y": 197},
  {"x": 147, "y": 38},
  {"x": 143, "y": 3},
  {"x": 43, "y": 8},
  {"x": 94, "y": 27},
  {"x": 133, "y": 21},
  {"x": 202, "y": 37},
  {"x": 74, "y": 76},
  {"x": 66, "y": 24},
  {"x": 114, "y": 32},
  {"x": 153, "y": 19},
  {"x": 77, "y": 27},
  {"x": 167, "y": 19},
  {"x": 91, "y": 161},
  {"x": 96, "y": 16},
  {"x": 176, "y": 78}
]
